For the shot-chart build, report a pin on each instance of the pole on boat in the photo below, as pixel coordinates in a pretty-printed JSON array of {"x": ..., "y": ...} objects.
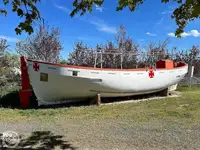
[
  {"x": 95, "y": 63},
  {"x": 101, "y": 61},
  {"x": 121, "y": 61},
  {"x": 98, "y": 99}
]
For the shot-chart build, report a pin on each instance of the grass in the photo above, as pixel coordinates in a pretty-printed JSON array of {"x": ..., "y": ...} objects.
[{"x": 185, "y": 108}]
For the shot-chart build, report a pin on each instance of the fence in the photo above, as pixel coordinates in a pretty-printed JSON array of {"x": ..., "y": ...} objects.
[{"x": 190, "y": 81}]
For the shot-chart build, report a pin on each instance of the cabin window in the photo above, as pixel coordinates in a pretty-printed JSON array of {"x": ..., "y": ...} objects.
[
  {"x": 44, "y": 77},
  {"x": 75, "y": 73}
]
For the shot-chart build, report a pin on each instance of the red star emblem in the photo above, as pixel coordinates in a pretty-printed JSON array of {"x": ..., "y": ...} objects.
[
  {"x": 151, "y": 74},
  {"x": 36, "y": 67}
]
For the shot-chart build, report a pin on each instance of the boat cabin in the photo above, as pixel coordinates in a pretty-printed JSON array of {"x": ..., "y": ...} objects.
[{"x": 168, "y": 64}]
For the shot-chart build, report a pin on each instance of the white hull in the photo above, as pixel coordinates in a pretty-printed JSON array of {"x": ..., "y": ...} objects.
[{"x": 62, "y": 86}]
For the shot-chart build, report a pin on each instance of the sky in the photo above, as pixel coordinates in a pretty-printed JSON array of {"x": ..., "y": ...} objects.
[{"x": 151, "y": 22}]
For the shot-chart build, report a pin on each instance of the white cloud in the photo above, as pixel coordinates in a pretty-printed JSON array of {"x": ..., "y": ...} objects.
[
  {"x": 8, "y": 38},
  {"x": 99, "y": 8},
  {"x": 141, "y": 40},
  {"x": 108, "y": 29},
  {"x": 67, "y": 10},
  {"x": 88, "y": 38},
  {"x": 63, "y": 8},
  {"x": 160, "y": 21},
  {"x": 166, "y": 12},
  {"x": 151, "y": 34},
  {"x": 171, "y": 34},
  {"x": 102, "y": 26},
  {"x": 99, "y": 23},
  {"x": 184, "y": 34},
  {"x": 194, "y": 33}
]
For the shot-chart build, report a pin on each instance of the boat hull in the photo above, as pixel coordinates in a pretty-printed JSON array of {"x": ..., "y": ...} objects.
[{"x": 62, "y": 83}]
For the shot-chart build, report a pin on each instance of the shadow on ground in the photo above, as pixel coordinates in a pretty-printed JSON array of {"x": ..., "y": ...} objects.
[
  {"x": 92, "y": 101},
  {"x": 12, "y": 100},
  {"x": 42, "y": 140}
]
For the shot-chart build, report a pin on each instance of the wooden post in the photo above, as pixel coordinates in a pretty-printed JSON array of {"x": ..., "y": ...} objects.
[
  {"x": 98, "y": 99},
  {"x": 164, "y": 92}
]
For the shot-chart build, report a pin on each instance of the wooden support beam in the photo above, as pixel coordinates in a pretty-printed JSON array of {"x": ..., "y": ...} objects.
[
  {"x": 164, "y": 92},
  {"x": 98, "y": 99}
]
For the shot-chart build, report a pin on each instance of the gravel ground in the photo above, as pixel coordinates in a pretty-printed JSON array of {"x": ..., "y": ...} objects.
[{"x": 104, "y": 134}]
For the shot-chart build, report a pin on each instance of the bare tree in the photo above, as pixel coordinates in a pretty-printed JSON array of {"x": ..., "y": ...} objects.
[
  {"x": 159, "y": 51},
  {"x": 190, "y": 57},
  {"x": 154, "y": 53},
  {"x": 130, "y": 57},
  {"x": 3, "y": 46},
  {"x": 121, "y": 37},
  {"x": 127, "y": 50},
  {"x": 81, "y": 55},
  {"x": 127, "y": 47},
  {"x": 45, "y": 45},
  {"x": 111, "y": 57}
]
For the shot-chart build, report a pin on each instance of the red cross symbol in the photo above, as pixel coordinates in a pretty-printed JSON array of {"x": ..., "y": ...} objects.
[
  {"x": 36, "y": 67},
  {"x": 151, "y": 74}
]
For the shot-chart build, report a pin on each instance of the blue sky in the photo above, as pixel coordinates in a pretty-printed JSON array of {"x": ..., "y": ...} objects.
[{"x": 150, "y": 22}]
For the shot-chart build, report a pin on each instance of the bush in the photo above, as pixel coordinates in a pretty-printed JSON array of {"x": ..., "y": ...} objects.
[{"x": 9, "y": 70}]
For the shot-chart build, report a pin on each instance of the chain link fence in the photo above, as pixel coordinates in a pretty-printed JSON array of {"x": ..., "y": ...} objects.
[{"x": 190, "y": 81}]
